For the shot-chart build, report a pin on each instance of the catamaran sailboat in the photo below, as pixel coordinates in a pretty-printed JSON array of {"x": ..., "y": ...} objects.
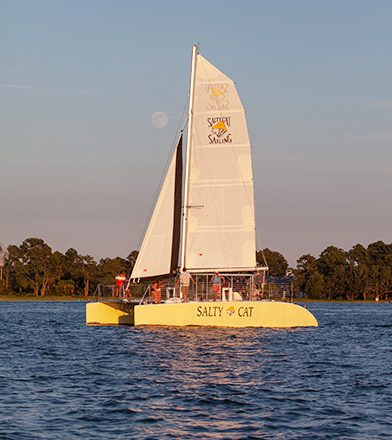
[{"x": 204, "y": 222}]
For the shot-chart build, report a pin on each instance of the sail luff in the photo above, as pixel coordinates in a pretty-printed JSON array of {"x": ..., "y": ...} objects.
[{"x": 187, "y": 166}]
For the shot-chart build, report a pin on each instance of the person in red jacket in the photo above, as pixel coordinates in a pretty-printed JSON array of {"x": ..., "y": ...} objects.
[{"x": 120, "y": 279}]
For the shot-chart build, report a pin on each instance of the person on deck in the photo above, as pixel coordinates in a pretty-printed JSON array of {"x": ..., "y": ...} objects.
[
  {"x": 127, "y": 291},
  {"x": 154, "y": 293},
  {"x": 157, "y": 291},
  {"x": 184, "y": 280},
  {"x": 120, "y": 279},
  {"x": 256, "y": 293},
  {"x": 216, "y": 282},
  {"x": 238, "y": 286}
]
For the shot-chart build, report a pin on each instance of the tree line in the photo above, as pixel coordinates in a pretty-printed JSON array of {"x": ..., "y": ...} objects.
[
  {"x": 34, "y": 269},
  {"x": 358, "y": 274}
]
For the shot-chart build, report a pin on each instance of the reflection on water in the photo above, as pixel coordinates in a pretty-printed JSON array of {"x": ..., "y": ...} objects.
[{"x": 61, "y": 379}]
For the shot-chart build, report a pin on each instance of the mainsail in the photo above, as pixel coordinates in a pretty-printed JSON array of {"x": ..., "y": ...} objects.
[
  {"x": 220, "y": 226},
  {"x": 158, "y": 255}
]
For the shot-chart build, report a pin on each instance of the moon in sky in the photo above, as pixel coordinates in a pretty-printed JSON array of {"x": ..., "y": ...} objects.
[{"x": 159, "y": 119}]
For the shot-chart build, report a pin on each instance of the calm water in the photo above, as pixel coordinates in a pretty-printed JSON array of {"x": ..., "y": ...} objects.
[{"x": 60, "y": 379}]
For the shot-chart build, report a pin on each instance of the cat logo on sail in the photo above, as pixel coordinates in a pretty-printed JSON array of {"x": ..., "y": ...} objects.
[
  {"x": 219, "y": 131},
  {"x": 217, "y": 99}
]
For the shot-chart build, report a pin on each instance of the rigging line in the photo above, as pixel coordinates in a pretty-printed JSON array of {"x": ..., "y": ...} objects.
[
  {"x": 174, "y": 144},
  {"x": 258, "y": 239}
]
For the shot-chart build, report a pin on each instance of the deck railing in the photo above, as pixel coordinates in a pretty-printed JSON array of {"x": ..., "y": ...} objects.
[{"x": 202, "y": 291}]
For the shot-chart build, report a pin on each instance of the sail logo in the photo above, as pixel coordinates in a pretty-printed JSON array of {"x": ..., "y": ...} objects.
[
  {"x": 216, "y": 97},
  {"x": 230, "y": 311},
  {"x": 219, "y": 130}
]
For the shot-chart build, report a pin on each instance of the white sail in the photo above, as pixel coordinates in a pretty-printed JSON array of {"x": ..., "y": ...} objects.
[
  {"x": 159, "y": 252},
  {"x": 220, "y": 226}
]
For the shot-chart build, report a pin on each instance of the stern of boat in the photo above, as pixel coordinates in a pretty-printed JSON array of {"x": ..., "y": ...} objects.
[{"x": 110, "y": 313}]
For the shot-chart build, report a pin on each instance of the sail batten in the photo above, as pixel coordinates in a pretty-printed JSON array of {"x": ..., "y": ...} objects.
[{"x": 217, "y": 183}]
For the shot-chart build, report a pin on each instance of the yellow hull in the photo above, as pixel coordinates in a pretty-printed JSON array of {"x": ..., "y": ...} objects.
[
  {"x": 220, "y": 314},
  {"x": 109, "y": 313},
  {"x": 226, "y": 314}
]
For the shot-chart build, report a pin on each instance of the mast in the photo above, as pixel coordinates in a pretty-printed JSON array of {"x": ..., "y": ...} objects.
[{"x": 187, "y": 165}]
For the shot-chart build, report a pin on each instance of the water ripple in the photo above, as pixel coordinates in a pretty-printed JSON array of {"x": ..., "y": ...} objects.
[{"x": 60, "y": 379}]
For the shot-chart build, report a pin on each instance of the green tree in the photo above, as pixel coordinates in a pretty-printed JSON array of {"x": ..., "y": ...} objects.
[
  {"x": 306, "y": 266},
  {"x": 315, "y": 286},
  {"x": 88, "y": 269},
  {"x": 15, "y": 280},
  {"x": 380, "y": 270},
  {"x": 332, "y": 265},
  {"x": 81, "y": 269},
  {"x": 36, "y": 256},
  {"x": 357, "y": 273},
  {"x": 308, "y": 279},
  {"x": 109, "y": 268},
  {"x": 131, "y": 260},
  {"x": 277, "y": 263},
  {"x": 381, "y": 280}
]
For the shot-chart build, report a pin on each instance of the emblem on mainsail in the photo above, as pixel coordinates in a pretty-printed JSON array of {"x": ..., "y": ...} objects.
[
  {"x": 217, "y": 99},
  {"x": 219, "y": 131}
]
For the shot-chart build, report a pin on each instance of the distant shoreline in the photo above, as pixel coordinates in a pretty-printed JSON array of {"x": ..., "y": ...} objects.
[
  {"x": 87, "y": 299},
  {"x": 43, "y": 298}
]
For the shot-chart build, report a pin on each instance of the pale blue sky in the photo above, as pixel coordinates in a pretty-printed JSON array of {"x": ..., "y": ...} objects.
[{"x": 79, "y": 81}]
